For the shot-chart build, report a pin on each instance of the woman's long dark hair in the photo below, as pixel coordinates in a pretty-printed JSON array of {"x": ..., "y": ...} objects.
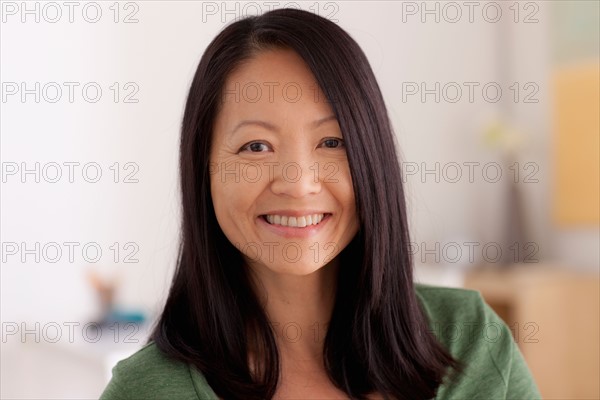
[{"x": 378, "y": 338}]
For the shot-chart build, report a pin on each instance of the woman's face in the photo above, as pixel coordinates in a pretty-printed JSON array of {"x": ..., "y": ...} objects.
[{"x": 280, "y": 180}]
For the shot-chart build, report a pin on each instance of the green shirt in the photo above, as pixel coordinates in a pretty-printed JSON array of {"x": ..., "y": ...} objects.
[{"x": 460, "y": 319}]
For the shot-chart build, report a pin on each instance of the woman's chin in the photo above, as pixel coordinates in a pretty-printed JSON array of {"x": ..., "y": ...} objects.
[{"x": 299, "y": 268}]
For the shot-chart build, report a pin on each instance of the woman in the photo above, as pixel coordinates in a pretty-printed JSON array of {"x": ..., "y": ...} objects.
[{"x": 294, "y": 276}]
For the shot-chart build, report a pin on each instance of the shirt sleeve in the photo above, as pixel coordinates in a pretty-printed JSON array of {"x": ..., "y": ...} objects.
[
  {"x": 494, "y": 367},
  {"x": 149, "y": 375},
  {"x": 519, "y": 381},
  {"x": 113, "y": 391}
]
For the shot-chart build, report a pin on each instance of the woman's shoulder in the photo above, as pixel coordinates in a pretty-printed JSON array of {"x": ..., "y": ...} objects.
[
  {"x": 450, "y": 303},
  {"x": 149, "y": 360},
  {"x": 460, "y": 318},
  {"x": 474, "y": 333},
  {"x": 435, "y": 293},
  {"x": 150, "y": 374}
]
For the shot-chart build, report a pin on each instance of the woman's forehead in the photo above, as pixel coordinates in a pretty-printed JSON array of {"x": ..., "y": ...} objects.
[{"x": 271, "y": 74}]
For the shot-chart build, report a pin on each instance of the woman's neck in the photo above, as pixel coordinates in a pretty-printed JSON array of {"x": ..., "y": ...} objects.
[{"x": 299, "y": 309}]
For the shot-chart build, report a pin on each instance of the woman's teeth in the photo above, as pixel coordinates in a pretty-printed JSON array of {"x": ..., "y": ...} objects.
[{"x": 295, "y": 222}]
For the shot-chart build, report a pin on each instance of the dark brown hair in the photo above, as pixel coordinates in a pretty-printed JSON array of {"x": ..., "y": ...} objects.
[{"x": 378, "y": 338}]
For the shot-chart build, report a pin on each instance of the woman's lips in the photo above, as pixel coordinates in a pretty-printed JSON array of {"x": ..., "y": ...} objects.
[{"x": 294, "y": 232}]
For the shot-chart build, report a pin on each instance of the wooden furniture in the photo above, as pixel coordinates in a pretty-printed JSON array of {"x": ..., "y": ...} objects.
[
  {"x": 575, "y": 199},
  {"x": 554, "y": 314}
]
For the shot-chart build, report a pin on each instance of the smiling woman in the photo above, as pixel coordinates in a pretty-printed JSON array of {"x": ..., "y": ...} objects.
[
  {"x": 295, "y": 140},
  {"x": 294, "y": 277}
]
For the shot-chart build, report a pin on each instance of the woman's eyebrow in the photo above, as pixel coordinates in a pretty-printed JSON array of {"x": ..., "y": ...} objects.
[
  {"x": 263, "y": 124},
  {"x": 319, "y": 122},
  {"x": 271, "y": 127}
]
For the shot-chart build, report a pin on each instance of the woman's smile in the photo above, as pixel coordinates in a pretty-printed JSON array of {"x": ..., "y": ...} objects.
[{"x": 295, "y": 227}]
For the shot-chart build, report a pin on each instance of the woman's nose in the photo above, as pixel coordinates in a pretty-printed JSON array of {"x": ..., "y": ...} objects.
[{"x": 296, "y": 178}]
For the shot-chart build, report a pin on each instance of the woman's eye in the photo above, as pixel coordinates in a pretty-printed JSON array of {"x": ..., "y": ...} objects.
[
  {"x": 333, "y": 143},
  {"x": 255, "y": 147}
]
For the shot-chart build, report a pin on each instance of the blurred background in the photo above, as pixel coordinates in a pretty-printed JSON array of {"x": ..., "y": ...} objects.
[{"x": 496, "y": 110}]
